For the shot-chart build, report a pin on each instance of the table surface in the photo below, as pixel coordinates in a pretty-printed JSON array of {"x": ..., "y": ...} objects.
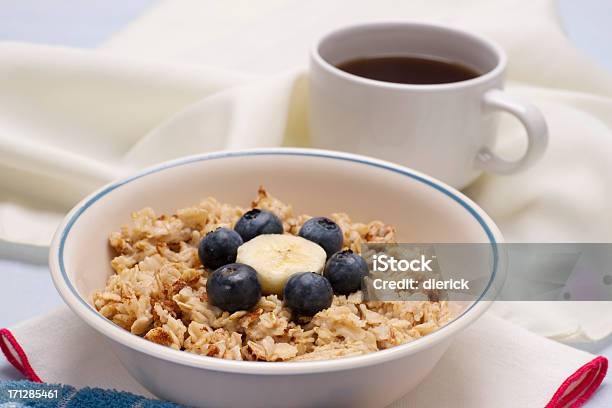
[{"x": 27, "y": 288}]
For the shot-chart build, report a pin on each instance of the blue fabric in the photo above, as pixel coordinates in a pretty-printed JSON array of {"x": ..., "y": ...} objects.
[{"x": 70, "y": 397}]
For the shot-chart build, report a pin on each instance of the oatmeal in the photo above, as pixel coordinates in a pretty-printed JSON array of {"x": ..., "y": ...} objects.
[{"x": 160, "y": 289}]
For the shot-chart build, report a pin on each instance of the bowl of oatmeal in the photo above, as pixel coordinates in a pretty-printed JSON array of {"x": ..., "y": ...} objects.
[{"x": 233, "y": 278}]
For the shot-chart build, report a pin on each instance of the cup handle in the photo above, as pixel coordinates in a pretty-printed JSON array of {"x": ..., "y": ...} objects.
[{"x": 534, "y": 123}]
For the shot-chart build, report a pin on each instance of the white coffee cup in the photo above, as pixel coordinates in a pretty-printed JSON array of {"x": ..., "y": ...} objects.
[{"x": 443, "y": 130}]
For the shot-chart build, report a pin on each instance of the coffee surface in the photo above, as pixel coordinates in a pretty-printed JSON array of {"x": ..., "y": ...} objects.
[{"x": 416, "y": 70}]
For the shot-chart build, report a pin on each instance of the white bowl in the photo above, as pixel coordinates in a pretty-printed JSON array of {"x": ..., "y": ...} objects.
[{"x": 314, "y": 182}]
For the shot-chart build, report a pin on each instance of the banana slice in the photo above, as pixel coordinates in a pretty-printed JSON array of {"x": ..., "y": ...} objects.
[{"x": 276, "y": 257}]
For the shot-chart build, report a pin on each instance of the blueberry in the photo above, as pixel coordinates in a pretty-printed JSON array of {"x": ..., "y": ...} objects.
[
  {"x": 324, "y": 232},
  {"x": 345, "y": 271},
  {"x": 233, "y": 287},
  {"x": 257, "y": 222},
  {"x": 219, "y": 248},
  {"x": 307, "y": 293}
]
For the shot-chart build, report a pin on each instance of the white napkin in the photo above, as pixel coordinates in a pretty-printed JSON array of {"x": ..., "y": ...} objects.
[
  {"x": 71, "y": 120},
  {"x": 492, "y": 364},
  {"x": 273, "y": 35}
]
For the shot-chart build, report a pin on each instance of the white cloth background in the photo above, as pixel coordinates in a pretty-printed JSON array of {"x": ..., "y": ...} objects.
[{"x": 195, "y": 76}]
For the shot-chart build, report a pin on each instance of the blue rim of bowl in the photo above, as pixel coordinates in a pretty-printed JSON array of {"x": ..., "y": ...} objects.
[{"x": 272, "y": 152}]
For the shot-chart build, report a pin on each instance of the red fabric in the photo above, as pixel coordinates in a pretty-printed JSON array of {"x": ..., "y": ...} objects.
[
  {"x": 573, "y": 393},
  {"x": 579, "y": 387},
  {"x": 16, "y": 356}
]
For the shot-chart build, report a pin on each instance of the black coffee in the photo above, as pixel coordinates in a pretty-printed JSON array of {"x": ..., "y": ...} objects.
[{"x": 409, "y": 70}]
